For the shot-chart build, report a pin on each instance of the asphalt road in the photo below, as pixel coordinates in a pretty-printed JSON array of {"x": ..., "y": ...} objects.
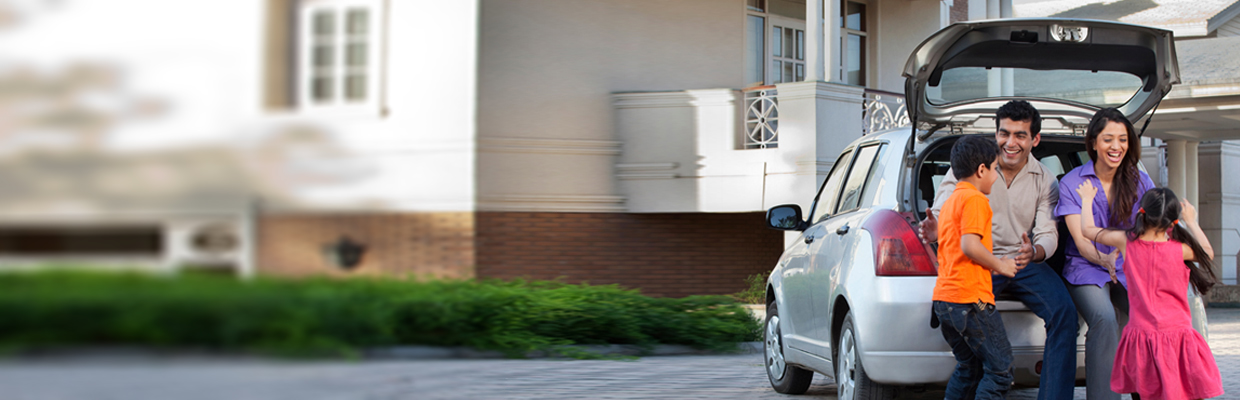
[{"x": 674, "y": 377}]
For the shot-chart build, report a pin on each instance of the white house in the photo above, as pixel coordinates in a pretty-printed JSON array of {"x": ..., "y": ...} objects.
[{"x": 635, "y": 142}]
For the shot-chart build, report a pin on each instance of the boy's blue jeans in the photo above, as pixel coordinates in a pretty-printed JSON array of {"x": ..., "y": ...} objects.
[{"x": 980, "y": 344}]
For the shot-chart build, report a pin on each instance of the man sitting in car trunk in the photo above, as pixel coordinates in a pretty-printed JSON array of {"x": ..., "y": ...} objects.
[{"x": 1022, "y": 204}]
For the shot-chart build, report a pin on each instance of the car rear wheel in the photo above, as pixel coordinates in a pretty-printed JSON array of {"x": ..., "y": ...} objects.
[
  {"x": 850, "y": 377},
  {"x": 785, "y": 378}
]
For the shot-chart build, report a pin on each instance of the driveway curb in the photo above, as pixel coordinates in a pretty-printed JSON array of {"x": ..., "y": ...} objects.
[
  {"x": 138, "y": 353},
  {"x": 433, "y": 353}
]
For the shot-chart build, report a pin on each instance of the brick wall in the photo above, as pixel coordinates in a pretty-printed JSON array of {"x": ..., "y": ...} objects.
[
  {"x": 959, "y": 11},
  {"x": 662, "y": 254},
  {"x": 397, "y": 244}
]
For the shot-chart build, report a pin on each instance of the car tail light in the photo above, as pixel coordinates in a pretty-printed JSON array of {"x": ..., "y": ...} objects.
[{"x": 897, "y": 249}]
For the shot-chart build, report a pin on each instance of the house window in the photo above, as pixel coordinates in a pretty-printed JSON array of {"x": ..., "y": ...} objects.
[
  {"x": 338, "y": 53},
  {"x": 853, "y": 39},
  {"x": 755, "y": 49},
  {"x": 774, "y": 42},
  {"x": 787, "y": 54}
]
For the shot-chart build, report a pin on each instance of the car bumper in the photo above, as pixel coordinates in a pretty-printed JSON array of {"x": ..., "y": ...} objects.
[{"x": 898, "y": 346}]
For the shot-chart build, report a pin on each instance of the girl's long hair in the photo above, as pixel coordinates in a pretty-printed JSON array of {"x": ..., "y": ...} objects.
[
  {"x": 1161, "y": 210},
  {"x": 1124, "y": 184}
]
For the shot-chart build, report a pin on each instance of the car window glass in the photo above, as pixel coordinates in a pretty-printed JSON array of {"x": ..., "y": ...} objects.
[
  {"x": 1054, "y": 164},
  {"x": 1098, "y": 88},
  {"x": 851, "y": 195},
  {"x": 874, "y": 181},
  {"x": 933, "y": 168},
  {"x": 931, "y": 176},
  {"x": 825, "y": 204},
  {"x": 1082, "y": 156}
]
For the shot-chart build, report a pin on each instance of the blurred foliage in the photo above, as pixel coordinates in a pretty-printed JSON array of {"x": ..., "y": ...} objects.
[
  {"x": 342, "y": 316},
  {"x": 755, "y": 293}
]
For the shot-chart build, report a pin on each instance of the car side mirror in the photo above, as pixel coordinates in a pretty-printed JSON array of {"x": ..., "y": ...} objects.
[{"x": 786, "y": 217}]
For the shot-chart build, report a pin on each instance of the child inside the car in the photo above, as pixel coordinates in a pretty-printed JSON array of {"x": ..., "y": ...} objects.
[{"x": 964, "y": 301}]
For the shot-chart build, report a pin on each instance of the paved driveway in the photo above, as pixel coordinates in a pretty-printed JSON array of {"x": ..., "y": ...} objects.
[{"x": 681, "y": 377}]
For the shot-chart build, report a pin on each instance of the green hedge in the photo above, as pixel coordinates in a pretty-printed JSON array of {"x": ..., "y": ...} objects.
[{"x": 319, "y": 316}]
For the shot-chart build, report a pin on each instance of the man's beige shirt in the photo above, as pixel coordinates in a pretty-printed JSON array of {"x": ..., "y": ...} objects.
[{"x": 1026, "y": 206}]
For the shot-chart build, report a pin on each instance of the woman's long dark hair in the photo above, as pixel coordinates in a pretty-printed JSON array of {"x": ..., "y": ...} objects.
[
  {"x": 1161, "y": 210},
  {"x": 1124, "y": 185}
]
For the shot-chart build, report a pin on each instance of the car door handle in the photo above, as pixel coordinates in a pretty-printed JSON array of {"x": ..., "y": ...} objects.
[{"x": 842, "y": 230}]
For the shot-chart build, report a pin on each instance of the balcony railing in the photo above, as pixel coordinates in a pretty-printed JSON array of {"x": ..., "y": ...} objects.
[
  {"x": 761, "y": 118},
  {"x": 881, "y": 110}
]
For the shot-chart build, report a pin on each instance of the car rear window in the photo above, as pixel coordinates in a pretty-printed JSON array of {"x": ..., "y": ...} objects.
[
  {"x": 1100, "y": 88},
  {"x": 1058, "y": 154}
]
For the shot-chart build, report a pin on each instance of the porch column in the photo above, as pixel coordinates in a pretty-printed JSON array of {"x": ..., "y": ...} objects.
[
  {"x": 1151, "y": 156},
  {"x": 977, "y": 10},
  {"x": 819, "y": 117},
  {"x": 815, "y": 42},
  {"x": 831, "y": 40},
  {"x": 816, "y": 121},
  {"x": 998, "y": 9},
  {"x": 248, "y": 251},
  {"x": 1176, "y": 166},
  {"x": 1219, "y": 210},
  {"x": 1000, "y": 81},
  {"x": 1190, "y": 173},
  {"x": 175, "y": 240}
]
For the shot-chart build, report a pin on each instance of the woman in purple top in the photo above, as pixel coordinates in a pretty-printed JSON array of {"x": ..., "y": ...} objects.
[{"x": 1095, "y": 274}]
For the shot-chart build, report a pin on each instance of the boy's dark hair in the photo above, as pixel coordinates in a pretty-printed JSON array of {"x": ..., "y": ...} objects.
[
  {"x": 971, "y": 151},
  {"x": 1020, "y": 110}
]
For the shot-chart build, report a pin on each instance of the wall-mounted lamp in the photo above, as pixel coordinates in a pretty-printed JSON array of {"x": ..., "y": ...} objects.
[{"x": 344, "y": 253}]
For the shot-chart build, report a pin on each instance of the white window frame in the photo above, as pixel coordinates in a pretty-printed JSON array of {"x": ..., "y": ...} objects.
[
  {"x": 866, "y": 47},
  {"x": 374, "y": 72},
  {"x": 798, "y": 26},
  {"x": 770, "y": 21}
]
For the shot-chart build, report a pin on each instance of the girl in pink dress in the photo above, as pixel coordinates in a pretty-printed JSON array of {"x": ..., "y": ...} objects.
[{"x": 1160, "y": 356}]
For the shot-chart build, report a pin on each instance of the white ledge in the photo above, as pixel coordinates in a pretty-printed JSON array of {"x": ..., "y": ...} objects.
[
  {"x": 646, "y": 166},
  {"x": 814, "y": 167},
  {"x": 1218, "y": 148},
  {"x": 652, "y": 99},
  {"x": 821, "y": 90},
  {"x": 631, "y": 177},
  {"x": 549, "y": 146},
  {"x": 1227, "y": 199}
]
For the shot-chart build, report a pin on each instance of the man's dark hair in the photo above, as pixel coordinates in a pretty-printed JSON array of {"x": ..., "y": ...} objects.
[
  {"x": 971, "y": 151},
  {"x": 1020, "y": 110}
]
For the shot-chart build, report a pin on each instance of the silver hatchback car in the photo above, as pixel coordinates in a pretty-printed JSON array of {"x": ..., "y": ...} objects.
[{"x": 850, "y": 298}]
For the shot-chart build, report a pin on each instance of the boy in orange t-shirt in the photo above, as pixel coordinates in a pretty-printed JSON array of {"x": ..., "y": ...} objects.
[{"x": 963, "y": 299}]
